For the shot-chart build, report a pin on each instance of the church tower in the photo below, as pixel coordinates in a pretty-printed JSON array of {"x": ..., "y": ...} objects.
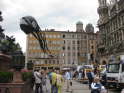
[
  {"x": 79, "y": 27},
  {"x": 102, "y": 11}
]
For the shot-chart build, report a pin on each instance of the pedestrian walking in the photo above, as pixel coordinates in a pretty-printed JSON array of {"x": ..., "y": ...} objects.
[
  {"x": 68, "y": 77},
  {"x": 38, "y": 81},
  {"x": 90, "y": 76}
]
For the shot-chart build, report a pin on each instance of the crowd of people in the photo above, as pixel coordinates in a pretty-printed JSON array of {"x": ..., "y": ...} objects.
[{"x": 50, "y": 81}]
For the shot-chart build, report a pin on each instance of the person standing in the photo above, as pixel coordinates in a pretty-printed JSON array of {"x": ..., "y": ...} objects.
[
  {"x": 53, "y": 77},
  {"x": 59, "y": 82},
  {"x": 90, "y": 76},
  {"x": 38, "y": 81},
  {"x": 46, "y": 83},
  {"x": 83, "y": 74},
  {"x": 80, "y": 75},
  {"x": 68, "y": 77}
]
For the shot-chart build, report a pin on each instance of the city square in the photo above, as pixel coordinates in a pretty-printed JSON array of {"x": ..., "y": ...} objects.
[{"x": 39, "y": 53}]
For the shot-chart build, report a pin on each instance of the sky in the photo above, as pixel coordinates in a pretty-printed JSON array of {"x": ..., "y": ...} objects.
[{"x": 50, "y": 14}]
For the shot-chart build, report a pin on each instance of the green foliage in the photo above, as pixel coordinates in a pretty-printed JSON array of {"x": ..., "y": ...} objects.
[
  {"x": 6, "y": 77},
  {"x": 26, "y": 76},
  {"x": 7, "y": 43}
]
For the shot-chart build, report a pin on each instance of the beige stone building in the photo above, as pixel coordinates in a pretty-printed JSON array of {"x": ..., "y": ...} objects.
[
  {"x": 111, "y": 24},
  {"x": 68, "y": 48},
  {"x": 45, "y": 60}
]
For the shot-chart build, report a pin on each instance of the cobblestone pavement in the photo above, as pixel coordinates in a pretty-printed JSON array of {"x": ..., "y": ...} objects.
[
  {"x": 83, "y": 88},
  {"x": 76, "y": 88}
]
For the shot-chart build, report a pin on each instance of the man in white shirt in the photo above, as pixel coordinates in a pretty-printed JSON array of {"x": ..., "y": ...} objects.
[
  {"x": 38, "y": 81},
  {"x": 67, "y": 77}
]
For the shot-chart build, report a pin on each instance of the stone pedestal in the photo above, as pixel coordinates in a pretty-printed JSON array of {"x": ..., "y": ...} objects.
[
  {"x": 17, "y": 77},
  {"x": 15, "y": 88}
]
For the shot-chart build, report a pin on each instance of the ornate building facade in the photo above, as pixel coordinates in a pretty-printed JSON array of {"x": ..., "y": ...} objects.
[{"x": 111, "y": 29}]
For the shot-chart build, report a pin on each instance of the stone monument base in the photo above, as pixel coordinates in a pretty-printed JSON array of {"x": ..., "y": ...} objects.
[{"x": 15, "y": 88}]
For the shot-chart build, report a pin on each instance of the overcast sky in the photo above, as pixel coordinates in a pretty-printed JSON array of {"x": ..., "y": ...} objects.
[{"x": 52, "y": 14}]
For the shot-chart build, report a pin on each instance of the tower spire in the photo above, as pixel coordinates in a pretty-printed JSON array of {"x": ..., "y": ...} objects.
[
  {"x": 102, "y": 2},
  {"x": 102, "y": 11},
  {"x": 113, "y": 1}
]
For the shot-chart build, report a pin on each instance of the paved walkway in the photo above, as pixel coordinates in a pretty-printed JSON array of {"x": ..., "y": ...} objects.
[{"x": 77, "y": 88}]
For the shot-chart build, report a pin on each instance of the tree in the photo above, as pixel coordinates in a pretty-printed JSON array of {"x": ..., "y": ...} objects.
[{"x": 7, "y": 44}]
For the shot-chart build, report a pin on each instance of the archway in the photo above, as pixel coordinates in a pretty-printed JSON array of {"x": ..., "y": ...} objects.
[{"x": 104, "y": 62}]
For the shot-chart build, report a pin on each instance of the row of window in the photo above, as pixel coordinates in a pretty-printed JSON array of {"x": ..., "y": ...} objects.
[
  {"x": 47, "y": 62},
  {"x": 52, "y": 62},
  {"x": 73, "y": 36},
  {"x": 82, "y": 36},
  {"x": 113, "y": 25},
  {"x": 60, "y": 42},
  {"x": 75, "y": 42},
  {"x": 73, "y": 48},
  {"x": 115, "y": 37},
  {"x": 75, "y": 54},
  {"x": 38, "y": 55},
  {"x": 50, "y": 36},
  {"x": 38, "y": 48},
  {"x": 48, "y": 42}
]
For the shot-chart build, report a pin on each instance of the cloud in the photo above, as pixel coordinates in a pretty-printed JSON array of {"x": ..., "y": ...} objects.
[
  {"x": 2, "y": 4},
  {"x": 56, "y": 14}
]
